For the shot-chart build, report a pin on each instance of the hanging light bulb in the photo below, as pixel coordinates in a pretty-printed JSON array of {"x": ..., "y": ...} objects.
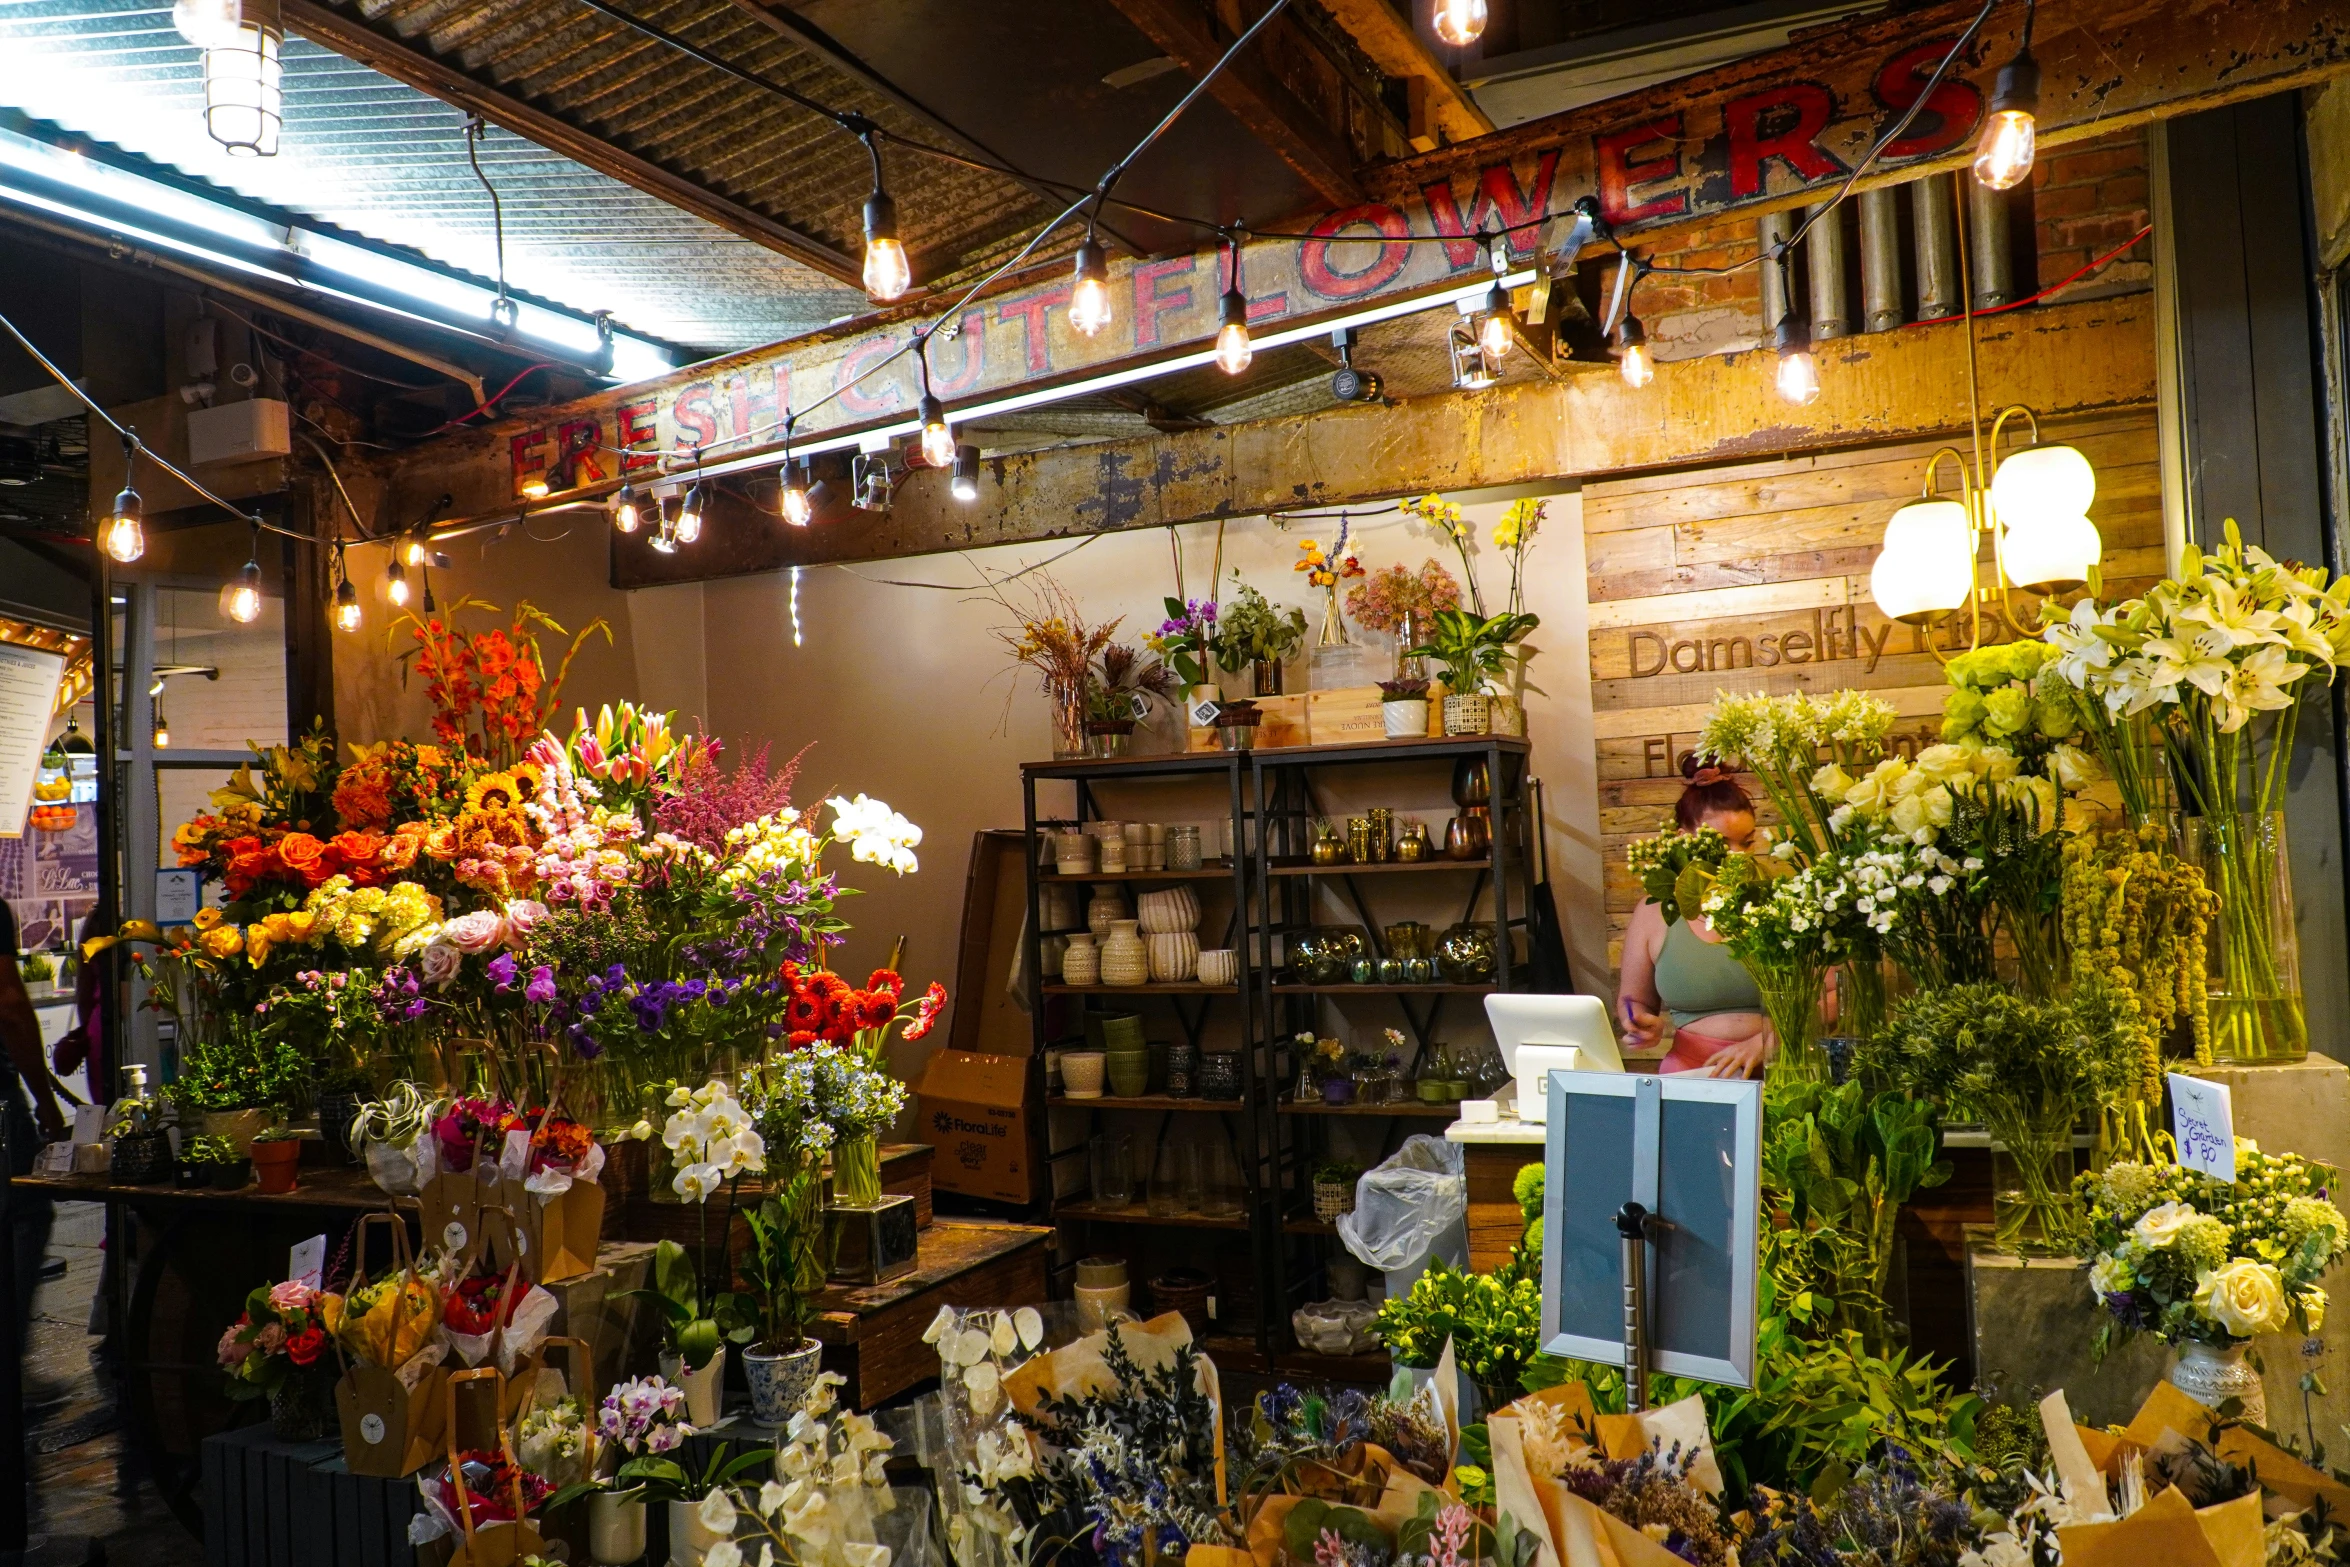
[
  {"x": 240, "y": 599},
  {"x": 1089, "y": 304},
  {"x": 689, "y": 515},
  {"x": 1494, "y": 335},
  {"x": 1629, "y": 343},
  {"x": 416, "y": 548},
  {"x": 1799, "y": 372},
  {"x": 396, "y": 583},
  {"x": 1460, "y": 22},
  {"x": 1927, "y": 567},
  {"x": 2004, "y": 151},
  {"x": 535, "y": 487},
  {"x": 162, "y": 736},
  {"x": 244, "y": 83},
  {"x": 966, "y": 480},
  {"x": 1233, "y": 351},
  {"x": 887, "y": 272},
  {"x": 1471, "y": 370},
  {"x": 938, "y": 437},
  {"x": 120, "y": 535},
  {"x": 794, "y": 502},
  {"x": 347, "y": 614},
  {"x": 628, "y": 510},
  {"x": 207, "y": 23}
]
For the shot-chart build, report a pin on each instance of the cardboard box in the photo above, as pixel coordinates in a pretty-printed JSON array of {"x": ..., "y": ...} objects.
[{"x": 976, "y": 1112}]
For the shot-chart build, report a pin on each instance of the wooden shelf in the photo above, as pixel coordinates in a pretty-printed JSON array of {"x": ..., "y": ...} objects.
[
  {"x": 1376, "y": 1366},
  {"x": 1149, "y": 1102},
  {"x": 1450, "y": 1109},
  {"x": 1143, "y": 990},
  {"x": 1233, "y": 1353},
  {"x": 1433, "y": 988},
  {"x": 1139, "y": 1213},
  {"x": 1204, "y": 873},
  {"x": 1307, "y": 1227},
  {"x": 1378, "y": 868}
]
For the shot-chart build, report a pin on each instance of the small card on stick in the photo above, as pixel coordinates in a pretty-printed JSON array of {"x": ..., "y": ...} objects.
[{"x": 2203, "y": 1122}]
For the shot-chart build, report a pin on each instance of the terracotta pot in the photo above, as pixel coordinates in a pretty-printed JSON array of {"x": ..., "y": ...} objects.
[{"x": 275, "y": 1162}]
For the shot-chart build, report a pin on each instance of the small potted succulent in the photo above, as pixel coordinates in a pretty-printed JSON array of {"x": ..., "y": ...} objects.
[
  {"x": 1403, "y": 708},
  {"x": 1334, "y": 1189},
  {"x": 215, "y": 1162},
  {"x": 277, "y": 1155}
]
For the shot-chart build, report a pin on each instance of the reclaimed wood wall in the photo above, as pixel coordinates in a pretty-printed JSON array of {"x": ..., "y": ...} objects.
[{"x": 1755, "y": 577}]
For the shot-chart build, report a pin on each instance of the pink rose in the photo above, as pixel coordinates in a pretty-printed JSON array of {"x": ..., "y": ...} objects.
[
  {"x": 232, "y": 1351},
  {"x": 292, "y": 1295},
  {"x": 475, "y": 933},
  {"x": 270, "y": 1339},
  {"x": 439, "y": 962},
  {"x": 521, "y": 915}
]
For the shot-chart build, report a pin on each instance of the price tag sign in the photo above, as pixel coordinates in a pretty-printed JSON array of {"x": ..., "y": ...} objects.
[
  {"x": 307, "y": 1262},
  {"x": 2203, "y": 1120},
  {"x": 1203, "y": 712}
]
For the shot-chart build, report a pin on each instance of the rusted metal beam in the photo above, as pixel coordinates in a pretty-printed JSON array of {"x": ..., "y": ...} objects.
[
  {"x": 1772, "y": 132},
  {"x": 1887, "y": 387},
  {"x": 1254, "y": 96},
  {"x": 381, "y": 49},
  {"x": 1445, "y": 111}
]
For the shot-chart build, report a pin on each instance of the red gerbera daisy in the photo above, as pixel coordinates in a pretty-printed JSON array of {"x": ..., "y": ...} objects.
[
  {"x": 927, "y": 1010},
  {"x": 887, "y": 979},
  {"x": 804, "y": 1012},
  {"x": 875, "y": 1008}
]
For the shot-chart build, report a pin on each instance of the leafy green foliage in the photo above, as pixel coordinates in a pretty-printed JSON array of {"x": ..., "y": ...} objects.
[
  {"x": 676, "y": 1293},
  {"x": 1469, "y": 646},
  {"x": 786, "y": 1264}
]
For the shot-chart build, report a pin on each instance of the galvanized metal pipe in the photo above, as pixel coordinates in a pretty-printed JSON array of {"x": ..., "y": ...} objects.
[
  {"x": 1935, "y": 224},
  {"x": 1824, "y": 250},
  {"x": 1993, "y": 279},
  {"x": 1880, "y": 259},
  {"x": 1771, "y": 231}
]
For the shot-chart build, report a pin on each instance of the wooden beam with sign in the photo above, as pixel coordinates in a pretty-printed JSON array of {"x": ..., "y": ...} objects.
[
  {"x": 1443, "y": 111},
  {"x": 1889, "y": 386},
  {"x": 1770, "y": 132},
  {"x": 379, "y": 48}
]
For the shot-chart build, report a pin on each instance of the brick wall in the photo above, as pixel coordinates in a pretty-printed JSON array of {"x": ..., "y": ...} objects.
[{"x": 2087, "y": 198}]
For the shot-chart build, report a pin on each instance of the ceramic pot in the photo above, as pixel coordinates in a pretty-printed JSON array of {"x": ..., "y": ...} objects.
[
  {"x": 1183, "y": 848},
  {"x": 1219, "y": 966},
  {"x": 1119, "y": 1030},
  {"x": 1125, "y": 961},
  {"x": 1102, "y": 910},
  {"x": 1097, "y": 1304},
  {"x": 1468, "y": 715},
  {"x": 1082, "y": 1072},
  {"x": 1049, "y": 951},
  {"x": 140, "y": 1157},
  {"x": 1129, "y": 1072},
  {"x": 1167, "y": 911},
  {"x": 705, "y": 1390},
  {"x": 1174, "y": 957},
  {"x": 238, "y": 1126},
  {"x": 1406, "y": 720},
  {"x": 275, "y": 1163},
  {"x": 688, "y": 1540},
  {"x": 1219, "y": 1076},
  {"x": 780, "y": 1382},
  {"x": 1332, "y": 1198},
  {"x": 1081, "y": 962},
  {"x": 1182, "y": 1070},
  {"x": 1338, "y": 1090},
  {"x": 616, "y": 1528},
  {"x": 1056, "y": 907},
  {"x": 2210, "y": 1376}
]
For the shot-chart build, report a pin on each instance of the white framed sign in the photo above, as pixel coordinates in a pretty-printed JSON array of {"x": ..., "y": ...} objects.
[{"x": 29, "y": 677}]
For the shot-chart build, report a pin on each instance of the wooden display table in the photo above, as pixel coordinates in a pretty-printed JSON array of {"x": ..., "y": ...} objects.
[{"x": 872, "y": 1334}]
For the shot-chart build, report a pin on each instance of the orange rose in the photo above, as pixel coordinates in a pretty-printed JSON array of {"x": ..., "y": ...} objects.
[
  {"x": 399, "y": 851},
  {"x": 359, "y": 855},
  {"x": 300, "y": 852}
]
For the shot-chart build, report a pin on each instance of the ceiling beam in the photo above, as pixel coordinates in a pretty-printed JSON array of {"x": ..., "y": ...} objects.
[
  {"x": 380, "y": 49},
  {"x": 1878, "y": 388},
  {"x": 1250, "y": 91},
  {"x": 1442, "y": 109}
]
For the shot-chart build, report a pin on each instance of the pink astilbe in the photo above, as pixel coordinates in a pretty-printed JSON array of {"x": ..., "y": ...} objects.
[
  {"x": 1453, "y": 1523},
  {"x": 708, "y": 801},
  {"x": 1329, "y": 1550}
]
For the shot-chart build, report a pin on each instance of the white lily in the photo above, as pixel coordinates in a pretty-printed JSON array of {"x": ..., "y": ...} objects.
[
  {"x": 2257, "y": 685},
  {"x": 2231, "y": 614}
]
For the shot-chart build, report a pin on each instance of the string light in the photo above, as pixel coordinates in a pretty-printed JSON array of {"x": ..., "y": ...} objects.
[
  {"x": 347, "y": 613},
  {"x": 794, "y": 502},
  {"x": 536, "y": 488},
  {"x": 2010, "y": 136},
  {"x": 396, "y": 583},
  {"x": 240, "y": 598},
  {"x": 887, "y": 272},
  {"x": 628, "y": 510},
  {"x": 965, "y": 484},
  {"x": 1798, "y": 373},
  {"x": 938, "y": 437},
  {"x": 1494, "y": 335},
  {"x": 1460, "y": 22},
  {"x": 1233, "y": 351},
  {"x": 689, "y": 515},
  {"x": 121, "y": 535},
  {"x": 162, "y": 736},
  {"x": 1089, "y": 302},
  {"x": 416, "y": 548},
  {"x": 1629, "y": 343}
]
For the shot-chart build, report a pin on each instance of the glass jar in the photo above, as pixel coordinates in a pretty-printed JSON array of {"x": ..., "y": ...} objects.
[
  {"x": 1113, "y": 1169},
  {"x": 1468, "y": 955},
  {"x": 1219, "y": 1076},
  {"x": 1183, "y": 852}
]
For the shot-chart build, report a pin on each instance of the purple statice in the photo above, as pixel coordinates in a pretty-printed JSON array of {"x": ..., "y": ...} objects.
[{"x": 398, "y": 997}]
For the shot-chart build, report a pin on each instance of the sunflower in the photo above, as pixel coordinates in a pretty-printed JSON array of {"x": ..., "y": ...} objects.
[
  {"x": 528, "y": 780},
  {"x": 493, "y": 792}
]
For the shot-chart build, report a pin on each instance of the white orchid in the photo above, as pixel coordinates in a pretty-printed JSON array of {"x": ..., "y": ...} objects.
[
  {"x": 2080, "y": 650},
  {"x": 876, "y": 835}
]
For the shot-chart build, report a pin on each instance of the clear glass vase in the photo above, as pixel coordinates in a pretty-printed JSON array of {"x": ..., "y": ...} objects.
[
  {"x": 2255, "y": 956},
  {"x": 1791, "y": 1000},
  {"x": 856, "y": 1170},
  {"x": 1067, "y": 699},
  {"x": 2034, "y": 1211}
]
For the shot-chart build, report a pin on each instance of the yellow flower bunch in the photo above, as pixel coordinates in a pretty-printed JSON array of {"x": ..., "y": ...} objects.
[
  {"x": 772, "y": 843},
  {"x": 1520, "y": 523},
  {"x": 1440, "y": 514},
  {"x": 1323, "y": 569},
  {"x": 354, "y": 917},
  {"x": 2141, "y": 916}
]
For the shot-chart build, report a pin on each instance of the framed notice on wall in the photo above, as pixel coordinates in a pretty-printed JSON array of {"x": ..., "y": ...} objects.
[{"x": 29, "y": 681}]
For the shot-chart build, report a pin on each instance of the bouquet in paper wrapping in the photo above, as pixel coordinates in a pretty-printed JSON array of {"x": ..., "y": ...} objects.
[
  {"x": 388, "y": 1332},
  {"x": 388, "y": 1322},
  {"x": 983, "y": 1445},
  {"x": 496, "y": 1313},
  {"x": 1632, "y": 1490}
]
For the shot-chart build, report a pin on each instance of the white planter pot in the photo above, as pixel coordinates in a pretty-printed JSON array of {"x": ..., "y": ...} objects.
[
  {"x": 1405, "y": 720},
  {"x": 1174, "y": 957},
  {"x": 705, "y": 1390},
  {"x": 780, "y": 1383},
  {"x": 1081, "y": 1073},
  {"x": 1081, "y": 960},
  {"x": 1167, "y": 911},
  {"x": 2212, "y": 1376},
  {"x": 688, "y": 1540},
  {"x": 616, "y": 1529}
]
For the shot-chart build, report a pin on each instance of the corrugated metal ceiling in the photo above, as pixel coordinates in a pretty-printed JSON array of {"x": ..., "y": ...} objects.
[{"x": 381, "y": 159}]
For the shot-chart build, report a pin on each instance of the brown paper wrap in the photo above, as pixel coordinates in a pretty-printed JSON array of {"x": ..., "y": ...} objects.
[
  {"x": 1082, "y": 1368},
  {"x": 390, "y": 1400},
  {"x": 477, "y": 1425},
  {"x": 2169, "y": 1409},
  {"x": 2171, "y": 1531},
  {"x": 1569, "y": 1531}
]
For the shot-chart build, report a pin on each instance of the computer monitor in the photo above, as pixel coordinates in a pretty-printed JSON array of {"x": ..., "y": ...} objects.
[{"x": 1539, "y": 1034}]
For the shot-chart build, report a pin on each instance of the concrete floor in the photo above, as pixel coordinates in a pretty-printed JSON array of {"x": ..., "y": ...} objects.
[{"x": 85, "y": 1486}]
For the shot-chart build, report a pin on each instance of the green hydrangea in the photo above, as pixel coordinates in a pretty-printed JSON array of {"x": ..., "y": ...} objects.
[
  {"x": 2306, "y": 1216},
  {"x": 2128, "y": 1187},
  {"x": 2203, "y": 1244}
]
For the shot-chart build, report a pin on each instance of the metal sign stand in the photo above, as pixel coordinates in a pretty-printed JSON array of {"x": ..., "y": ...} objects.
[{"x": 1632, "y": 1221}]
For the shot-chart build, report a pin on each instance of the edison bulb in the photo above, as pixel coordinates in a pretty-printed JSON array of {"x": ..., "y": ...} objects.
[
  {"x": 797, "y": 508},
  {"x": 396, "y": 586},
  {"x": 121, "y": 536},
  {"x": 1799, "y": 376},
  {"x": 689, "y": 516},
  {"x": 1460, "y": 22},
  {"x": 347, "y": 615},
  {"x": 1233, "y": 349},
  {"x": 628, "y": 511},
  {"x": 1638, "y": 366},
  {"x": 1089, "y": 306},
  {"x": 887, "y": 273},
  {"x": 535, "y": 487},
  {"x": 2003, "y": 155},
  {"x": 938, "y": 437},
  {"x": 1494, "y": 335},
  {"x": 162, "y": 732},
  {"x": 415, "y": 548},
  {"x": 240, "y": 599}
]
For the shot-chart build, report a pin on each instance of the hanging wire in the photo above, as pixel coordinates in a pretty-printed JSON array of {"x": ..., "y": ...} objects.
[{"x": 502, "y": 309}]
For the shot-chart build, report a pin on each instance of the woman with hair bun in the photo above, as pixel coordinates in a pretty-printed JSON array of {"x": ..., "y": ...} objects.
[{"x": 1680, "y": 971}]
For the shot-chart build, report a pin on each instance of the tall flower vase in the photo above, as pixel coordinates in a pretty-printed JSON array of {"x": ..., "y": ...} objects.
[
  {"x": 856, "y": 1170},
  {"x": 2211, "y": 1376},
  {"x": 2034, "y": 1212},
  {"x": 1791, "y": 1000},
  {"x": 2255, "y": 957},
  {"x": 1861, "y": 1002},
  {"x": 1068, "y": 705}
]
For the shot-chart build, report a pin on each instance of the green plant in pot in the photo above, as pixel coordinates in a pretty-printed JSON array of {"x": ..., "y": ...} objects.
[
  {"x": 142, "y": 1150},
  {"x": 784, "y": 1268},
  {"x": 277, "y": 1156},
  {"x": 1471, "y": 649},
  {"x": 1494, "y": 1325},
  {"x": 694, "y": 1330},
  {"x": 1252, "y": 634},
  {"x": 213, "y": 1161},
  {"x": 237, "y": 1081}
]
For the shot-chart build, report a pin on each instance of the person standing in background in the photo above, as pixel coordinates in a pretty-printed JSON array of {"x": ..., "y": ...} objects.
[{"x": 33, "y": 1116}]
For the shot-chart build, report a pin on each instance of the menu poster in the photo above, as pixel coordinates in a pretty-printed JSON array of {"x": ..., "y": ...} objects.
[{"x": 28, "y": 699}]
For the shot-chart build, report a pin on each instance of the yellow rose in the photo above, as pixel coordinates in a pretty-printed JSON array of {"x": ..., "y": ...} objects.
[
  {"x": 1831, "y": 782},
  {"x": 2313, "y": 1306},
  {"x": 2245, "y": 1297},
  {"x": 256, "y": 944},
  {"x": 2159, "y": 1226},
  {"x": 223, "y": 941},
  {"x": 1942, "y": 763}
]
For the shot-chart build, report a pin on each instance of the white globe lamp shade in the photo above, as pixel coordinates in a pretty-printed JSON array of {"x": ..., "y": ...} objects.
[
  {"x": 1926, "y": 569},
  {"x": 2043, "y": 484},
  {"x": 2051, "y": 555}
]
